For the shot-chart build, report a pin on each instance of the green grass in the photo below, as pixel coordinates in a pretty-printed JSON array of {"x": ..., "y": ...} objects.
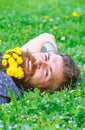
[{"x": 22, "y": 20}]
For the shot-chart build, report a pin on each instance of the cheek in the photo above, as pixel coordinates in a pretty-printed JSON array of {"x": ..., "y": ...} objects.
[
  {"x": 37, "y": 78},
  {"x": 48, "y": 84}
]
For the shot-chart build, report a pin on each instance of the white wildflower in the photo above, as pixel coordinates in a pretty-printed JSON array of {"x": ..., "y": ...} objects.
[
  {"x": 69, "y": 121},
  {"x": 51, "y": 19},
  {"x": 83, "y": 128},
  {"x": 63, "y": 38},
  {"x": 28, "y": 101},
  {"x": 61, "y": 117},
  {"x": 57, "y": 126},
  {"x": 63, "y": 125}
]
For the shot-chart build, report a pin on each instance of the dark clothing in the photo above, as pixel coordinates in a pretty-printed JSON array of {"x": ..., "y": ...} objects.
[{"x": 7, "y": 84}]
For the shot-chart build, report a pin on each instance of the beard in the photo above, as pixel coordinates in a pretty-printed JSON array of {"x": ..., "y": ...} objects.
[
  {"x": 28, "y": 74},
  {"x": 25, "y": 82}
]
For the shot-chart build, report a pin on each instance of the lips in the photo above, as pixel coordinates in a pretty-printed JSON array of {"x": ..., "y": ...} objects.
[{"x": 28, "y": 64}]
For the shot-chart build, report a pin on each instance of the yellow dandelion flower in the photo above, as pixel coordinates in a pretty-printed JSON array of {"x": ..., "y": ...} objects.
[
  {"x": 19, "y": 73},
  {"x": 0, "y": 41},
  {"x": 46, "y": 17},
  {"x": 11, "y": 71},
  {"x": 6, "y": 56},
  {"x": 13, "y": 64},
  {"x": 8, "y": 51},
  {"x": 15, "y": 55},
  {"x": 4, "y": 62},
  {"x": 75, "y": 14},
  {"x": 19, "y": 60},
  {"x": 17, "y": 50},
  {"x": 11, "y": 60},
  {"x": 55, "y": 27}
]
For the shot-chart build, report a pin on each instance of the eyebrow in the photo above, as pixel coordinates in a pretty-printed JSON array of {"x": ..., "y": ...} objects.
[{"x": 49, "y": 55}]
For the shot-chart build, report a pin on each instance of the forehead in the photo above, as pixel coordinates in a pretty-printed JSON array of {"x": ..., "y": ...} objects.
[{"x": 57, "y": 67}]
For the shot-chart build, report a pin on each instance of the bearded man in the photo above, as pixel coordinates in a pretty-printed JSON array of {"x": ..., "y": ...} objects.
[{"x": 43, "y": 67}]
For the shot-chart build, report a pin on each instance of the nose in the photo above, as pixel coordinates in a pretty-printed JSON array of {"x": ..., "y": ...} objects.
[{"x": 41, "y": 62}]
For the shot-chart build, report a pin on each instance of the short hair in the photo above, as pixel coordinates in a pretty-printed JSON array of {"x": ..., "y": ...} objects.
[
  {"x": 71, "y": 74},
  {"x": 71, "y": 71}
]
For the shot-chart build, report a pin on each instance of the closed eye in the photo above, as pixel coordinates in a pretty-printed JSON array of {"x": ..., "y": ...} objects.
[
  {"x": 46, "y": 72},
  {"x": 49, "y": 72}
]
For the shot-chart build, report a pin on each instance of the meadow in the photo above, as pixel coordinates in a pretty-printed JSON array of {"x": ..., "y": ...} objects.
[{"x": 22, "y": 20}]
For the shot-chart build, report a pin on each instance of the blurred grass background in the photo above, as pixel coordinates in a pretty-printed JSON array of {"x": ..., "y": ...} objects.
[{"x": 21, "y": 21}]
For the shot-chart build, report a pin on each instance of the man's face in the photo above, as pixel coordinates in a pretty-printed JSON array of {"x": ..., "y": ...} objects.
[{"x": 43, "y": 69}]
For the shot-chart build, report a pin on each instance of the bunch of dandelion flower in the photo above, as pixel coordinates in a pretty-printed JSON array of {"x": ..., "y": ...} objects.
[{"x": 12, "y": 61}]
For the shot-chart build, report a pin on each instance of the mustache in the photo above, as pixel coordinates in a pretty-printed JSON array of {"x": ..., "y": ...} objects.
[{"x": 30, "y": 57}]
